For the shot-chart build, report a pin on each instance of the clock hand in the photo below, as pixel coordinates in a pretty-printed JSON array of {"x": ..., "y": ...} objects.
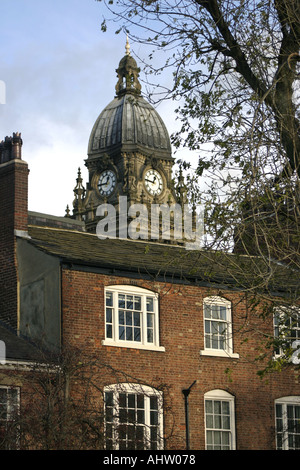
[{"x": 105, "y": 183}]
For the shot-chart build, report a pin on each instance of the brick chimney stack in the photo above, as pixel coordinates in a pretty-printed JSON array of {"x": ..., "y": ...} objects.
[{"x": 13, "y": 217}]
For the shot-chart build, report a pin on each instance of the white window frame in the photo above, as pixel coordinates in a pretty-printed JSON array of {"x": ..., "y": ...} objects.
[
  {"x": 11, "y": 407},
  {"x": 228, "y": 341},
  {"x": 144, "y": 343},
  {"x": 222, "y": 396},
  {"x": 279, "y": 331},
  {"x": 284, "y": 402},
  {"x": 147, "y": 392}
]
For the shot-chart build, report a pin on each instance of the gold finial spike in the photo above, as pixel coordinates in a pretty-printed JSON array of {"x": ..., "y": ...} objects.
[{"x": 127, "y": 47}]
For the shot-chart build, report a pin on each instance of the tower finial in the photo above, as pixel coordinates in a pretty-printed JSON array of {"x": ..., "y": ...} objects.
[{"x": 127, "y": 47}]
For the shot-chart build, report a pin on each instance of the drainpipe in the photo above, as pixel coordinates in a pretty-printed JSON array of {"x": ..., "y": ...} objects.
[{"x": 186, "y": 393}]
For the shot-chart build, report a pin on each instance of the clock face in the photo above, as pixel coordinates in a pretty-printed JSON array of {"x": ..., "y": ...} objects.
[
  {"x": 106, "y": 182},
  {"x": 153, "y": 182}
]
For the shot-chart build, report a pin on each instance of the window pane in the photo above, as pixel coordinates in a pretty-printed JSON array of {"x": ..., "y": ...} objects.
[
  {"x": 278, "y": 411},
  {"x": 109, "y": 331},
  {"x": 209, "y": 421},
  {"x": 290, "y": 410},
  {"x": 128, "y": 334},
  {"x": 109, "y": 299},
  {"x": 225, "y": 407},
  {"x": 131, "y": 400},
  {"x": 217, "y": 422},
  {"x": 140, "y": 401},
  {"x": 214, "y": 312},
  {"x": 222, "y": 313},
  {"x": 208, "y": 406},
  {"x": 128, "y": 318},
  {"x": 121, "y": 317},
  {"x": 131, "y": 416},
  {"x": 153, "y": 403},
  {"x": 140, "y": 416},
  {"x": 279, "y": 441},
  {"x": 122, "y": 400},
  {"x": 123, "y": 415},
  {"x": 109, "y": 315},
  {"x": 109, "y": 399},
  {"x": 217, "y": 437},
  {"x": 226, "y": 422},
  {"x": 225, "y": 439},
  {"x": 150, "y": 328},
  {"x": 121, "y": 301},
  {"x": 137, "y": 303},
  {"x": 149, "y": 320},
  {"x": 150, "y": 337},
  {"x": 153, "y": 438},
  {"x": 137, "y": 334},
  {"x": 150, "y": 304},
  {"x": 209, "y": 437},
  {"x": 121, "y": 332},
  {"x": 207, "y": 312},
  {"x": 129, "y": 302}
]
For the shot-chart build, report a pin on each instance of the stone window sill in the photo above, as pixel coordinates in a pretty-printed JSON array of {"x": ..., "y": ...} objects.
[{"x": 219, "y": 353}]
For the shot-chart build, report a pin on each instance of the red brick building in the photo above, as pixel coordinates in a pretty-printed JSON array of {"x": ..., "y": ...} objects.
[{"x": 174, "y": 327}]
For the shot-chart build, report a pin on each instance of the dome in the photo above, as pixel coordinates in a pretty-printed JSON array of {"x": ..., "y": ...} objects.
[{"x": 129, "y": 123}]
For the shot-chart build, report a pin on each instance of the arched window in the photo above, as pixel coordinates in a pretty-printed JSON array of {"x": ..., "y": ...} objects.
[
  {"x": 217, "y": 327},
  {"x": 131, "y": 317},
  {"x": 219, "y": 420},
  {"x": 287, "y": 412},
  {"x": 133, "y": 417}
]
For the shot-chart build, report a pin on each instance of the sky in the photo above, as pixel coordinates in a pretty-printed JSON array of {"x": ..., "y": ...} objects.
[{"x": 58, "y": 69}]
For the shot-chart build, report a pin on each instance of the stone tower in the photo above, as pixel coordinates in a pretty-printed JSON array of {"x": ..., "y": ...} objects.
[{"x": 129, "y": 153}]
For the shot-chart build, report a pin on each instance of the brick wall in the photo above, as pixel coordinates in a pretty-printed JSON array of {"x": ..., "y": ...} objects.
[
  {"x": 181, "y": 333},
  {"x": 13, "y": 216}
]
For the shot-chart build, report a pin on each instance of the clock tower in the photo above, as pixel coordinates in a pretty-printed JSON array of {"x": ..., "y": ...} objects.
[{"x": 129, "y": 152}]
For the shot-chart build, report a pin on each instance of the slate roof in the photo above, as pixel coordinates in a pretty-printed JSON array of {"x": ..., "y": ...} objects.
[
  {"x": 161, "y": 261},
  {"x": 16, "y": 347}
]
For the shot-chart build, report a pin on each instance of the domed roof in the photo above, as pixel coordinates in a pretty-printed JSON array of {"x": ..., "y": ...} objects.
[{"x": 129, "y": 122}]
